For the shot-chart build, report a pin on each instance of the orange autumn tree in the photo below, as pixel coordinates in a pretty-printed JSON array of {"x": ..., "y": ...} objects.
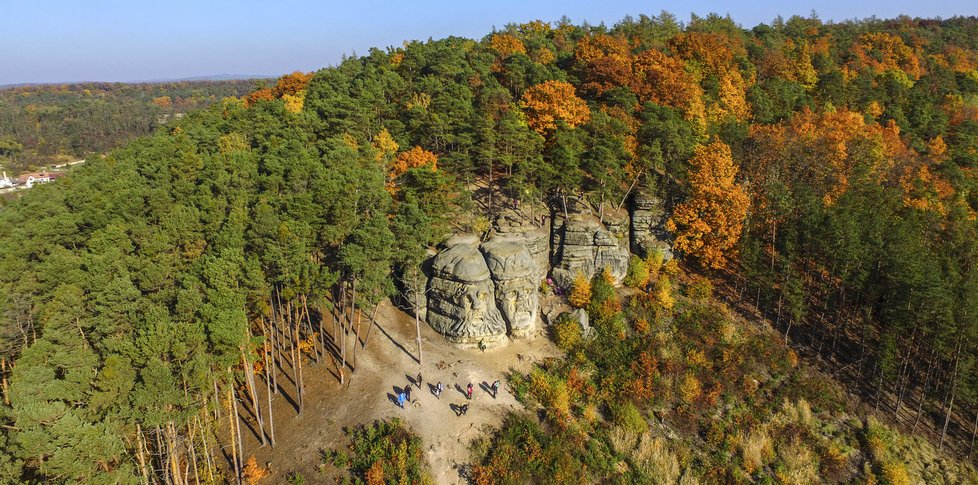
[
  {"x": 884, "y": 52},
  {"x": 549, "y": 102},
  {"x": 290, "y": 88},
  {"x": 604, "y": 61},
  {"x": 664, "y": 80},
  {"x": 709, "y": 223},
  {"x": 416, "y": 157}
]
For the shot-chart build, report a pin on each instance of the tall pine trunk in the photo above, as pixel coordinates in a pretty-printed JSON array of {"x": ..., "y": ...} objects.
[{"x": 249, "y": 371}]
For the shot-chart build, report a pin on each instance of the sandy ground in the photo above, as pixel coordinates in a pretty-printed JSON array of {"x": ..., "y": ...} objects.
[{"x": 388, "y": 365}]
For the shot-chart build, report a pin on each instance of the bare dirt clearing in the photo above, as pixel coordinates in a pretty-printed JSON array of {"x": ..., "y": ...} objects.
[{"x": 385, "y": 367}]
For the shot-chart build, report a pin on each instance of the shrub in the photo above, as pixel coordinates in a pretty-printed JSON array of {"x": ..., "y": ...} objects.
[
  {"x": 252, "y": 472},
  {"x": 656, "y": 460},
  {"x": 386, "y": 452},
  {"x": 629, "y": 418},
  {"x": 755, "y": 450},
  {"x": 663, "y": 293},
  {"x": 580, "y": 294},
  {"x": 690, "y": 389},
  {"x": 566, "y": 332},
  {"x": 701, "y": 289},
  {"x": 638, "y": 273}
]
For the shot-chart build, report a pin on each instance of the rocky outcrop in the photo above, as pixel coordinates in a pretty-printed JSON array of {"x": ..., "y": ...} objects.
[
  {"x": 461, "y": 297},
  {"x": 583, "y": 244},
  {"x": 527, "y": 226},
  {"x": 649, "y": 225},
  {"x": 482, "y": 294},
  {"x": 517, "y": 294}
]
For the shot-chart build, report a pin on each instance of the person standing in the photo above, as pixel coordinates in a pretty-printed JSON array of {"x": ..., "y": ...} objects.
[
  {"x": 495, "y": 389},
  {"x": 468, "y": 392},
  {"x": 438, "y": 389},
  {"x": 400, "y": 399},
  {"x": 418, "y": 380}
]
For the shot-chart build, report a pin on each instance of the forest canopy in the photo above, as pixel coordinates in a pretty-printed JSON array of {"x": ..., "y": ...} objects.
[{"x": 827, "y": 168}]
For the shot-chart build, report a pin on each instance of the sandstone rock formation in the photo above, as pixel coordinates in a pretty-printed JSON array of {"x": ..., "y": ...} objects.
[
  {"x": 527, "y": 226},
  {"x": 514, "y": 273},
  {"x": 649, "y": 225},
  {"x": 461, "y": 297},
  {"x": 583, "y": 244}
]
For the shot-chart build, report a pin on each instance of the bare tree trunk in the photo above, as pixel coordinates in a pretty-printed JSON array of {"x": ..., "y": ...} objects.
[
  {"x": 298, "y": 361},
  {"x": 950, "y": 407},
  {"x": 923, "y": 393},
  {"x": 217, "y": 400},
  {"x": 272, "y": 347},
  {"x": 164, "y": 466},
  {"x": 140, "y": 455},
  {"x": 268, "y": 393},
  {"x": 207, "y": 453},
  {"x": 174, "y": 459},
  {"x": 193, "y": 453},
  {"x": 974, "y": 433},
  {"x": 232, "y": 412},
  {"x": 293, "y": 348},
  {"x": 249, "y": 371},
  {"x": 3, "y": 381},
  {"x": 417, "y": 328}
]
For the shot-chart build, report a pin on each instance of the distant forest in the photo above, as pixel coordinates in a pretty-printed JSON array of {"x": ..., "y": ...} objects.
[
  {"x": 820, "y": 175},
  {"x": 54, "y": 123}
]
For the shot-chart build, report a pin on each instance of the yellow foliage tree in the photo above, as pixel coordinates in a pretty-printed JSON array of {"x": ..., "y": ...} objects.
[
  {"x": 416, "y": 157},
  {"x": 708, "y": 225},
  {"x": 580, "y": 294},
  {"x": 549, "y": 102},
  {"x": 506, "y": 45},
  {"x": 294, "y": 102}
]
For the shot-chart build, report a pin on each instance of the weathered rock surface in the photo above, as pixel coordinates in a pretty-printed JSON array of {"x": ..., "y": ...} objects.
[
  {"x": 583, "y": 244},
  {"x": 581, "y": 317},
  {"x": 461, "y": 298},
  {"x": 517, "y": 295},
  {"x": 527, "y": 226},
  {"x": 649, "y": 225}
]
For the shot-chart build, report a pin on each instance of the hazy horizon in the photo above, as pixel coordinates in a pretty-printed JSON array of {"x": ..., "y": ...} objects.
[{"x": 116, "y": 41}]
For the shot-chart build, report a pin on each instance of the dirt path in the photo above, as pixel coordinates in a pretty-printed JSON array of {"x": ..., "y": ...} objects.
[{"x": 387, "y": 366}]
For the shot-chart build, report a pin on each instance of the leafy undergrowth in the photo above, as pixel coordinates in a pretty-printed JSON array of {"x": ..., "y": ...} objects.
[
  {"x": 384, "y": 452},
  {"x": 672, "y": 387}
]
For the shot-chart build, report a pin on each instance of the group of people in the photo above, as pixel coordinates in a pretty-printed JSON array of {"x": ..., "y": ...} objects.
[{"x": 404, "y": 395}]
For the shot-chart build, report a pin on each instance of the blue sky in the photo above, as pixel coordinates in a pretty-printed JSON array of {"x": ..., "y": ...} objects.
[{"x": 116, "y": 40}]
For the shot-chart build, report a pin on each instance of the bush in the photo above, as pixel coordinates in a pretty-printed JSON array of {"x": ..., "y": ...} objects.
[
  {"x": 386, "y": 452},
  {"x": 638, "y": 273},
  {"x": 580, "y": 294},
  {"x": 566, "y": 332},
  {"x": 629, "y": 418}
]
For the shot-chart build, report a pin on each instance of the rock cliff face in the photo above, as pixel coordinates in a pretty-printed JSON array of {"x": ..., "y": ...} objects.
[
  {"x": 461, "y": 297},
  {"x": 649, "y": 225},
  {"x": 485, "y": 293},
  {"x": 583, "y": 244},
  {"x": 514, "y": 273}
]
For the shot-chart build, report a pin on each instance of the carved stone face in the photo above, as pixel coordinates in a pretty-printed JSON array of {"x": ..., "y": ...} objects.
[{"x": 518, "y": 302}]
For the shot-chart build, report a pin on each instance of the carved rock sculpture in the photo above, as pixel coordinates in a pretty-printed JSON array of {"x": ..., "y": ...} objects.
[
  {"x": 517, "y": 286},
  {"x": 461, "y": 297}
]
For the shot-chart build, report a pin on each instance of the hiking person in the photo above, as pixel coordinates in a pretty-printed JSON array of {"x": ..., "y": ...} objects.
[
  {"x": 468, "y": 390},
  {"x": 495, "y": 389},
  {"x": 482, "y": 345},
  {"x": 400, "y": 399},
  {"x": 418, "y": 380},
  {"x": 407, "y": 392},
  {"x": 439, "y": 389},
  {"x": 465, "y": 408}
]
